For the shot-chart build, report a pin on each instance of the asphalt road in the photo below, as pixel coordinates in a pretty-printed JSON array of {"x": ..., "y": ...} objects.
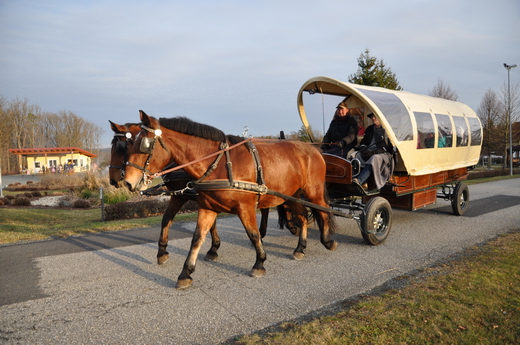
[{"x": 107, "y": 288}]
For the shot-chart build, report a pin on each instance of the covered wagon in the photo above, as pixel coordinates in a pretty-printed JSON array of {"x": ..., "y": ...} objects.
[{"x": 436, "y": 141}]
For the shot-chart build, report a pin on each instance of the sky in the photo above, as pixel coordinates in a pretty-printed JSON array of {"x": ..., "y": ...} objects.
[{"x": 232, "y": 64}]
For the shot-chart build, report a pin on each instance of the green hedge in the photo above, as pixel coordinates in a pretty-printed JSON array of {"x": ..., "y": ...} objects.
[
  {"x": 473, "y": 175},
  {"x": 143, "y": 208}
]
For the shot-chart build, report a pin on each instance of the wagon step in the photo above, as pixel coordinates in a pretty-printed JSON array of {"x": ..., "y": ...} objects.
[{"x": 362, "y": 190}]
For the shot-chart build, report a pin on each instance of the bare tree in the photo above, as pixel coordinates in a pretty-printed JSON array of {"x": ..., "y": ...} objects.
[
  {"x": 509, "y": 105},
  {"x": 23, "y": 125},
  {"x": 442, "y": 90},
  {"x": 490, "y": 113},
  {"x": 5, "y": 137}
]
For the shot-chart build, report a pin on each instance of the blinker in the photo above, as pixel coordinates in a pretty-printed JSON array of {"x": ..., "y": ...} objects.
[
  {"x": 121, "y": 146},
  {"x": 147, "y": 145}
]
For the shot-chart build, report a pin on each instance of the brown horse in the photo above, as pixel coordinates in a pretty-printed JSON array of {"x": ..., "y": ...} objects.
[
  {"x": 121, "y": 144},
  {"x": 289, "y": 167}
]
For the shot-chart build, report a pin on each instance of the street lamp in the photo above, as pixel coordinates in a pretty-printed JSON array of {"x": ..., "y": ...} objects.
[{"x": 508, "y": 67}]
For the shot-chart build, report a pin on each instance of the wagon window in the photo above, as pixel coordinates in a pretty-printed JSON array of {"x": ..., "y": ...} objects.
[
  {"x": 394, "y": 111},
  {"x": 425, "y": 130},
  {"x": 462, "y": 130},
  {"x": 444, "y": 131},
  {"x": 476, "y": 136}
]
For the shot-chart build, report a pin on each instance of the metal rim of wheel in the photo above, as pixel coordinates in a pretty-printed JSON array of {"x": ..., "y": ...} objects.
[{"x": 378, "y": 219}]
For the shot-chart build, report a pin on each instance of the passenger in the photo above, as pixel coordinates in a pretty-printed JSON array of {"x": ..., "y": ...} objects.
[
  {"x": 361, "y": 126},
  {"x": 442, "y": 139},
  {"x": 375, "y": 155},
  {"x": 341, "y": 137},
  {"x": 429, "y": 141}
]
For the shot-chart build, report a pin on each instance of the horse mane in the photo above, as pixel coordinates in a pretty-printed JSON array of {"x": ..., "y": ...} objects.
[{"x": 184, "y": 125}]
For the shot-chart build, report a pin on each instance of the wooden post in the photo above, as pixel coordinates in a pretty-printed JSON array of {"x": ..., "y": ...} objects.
[{"x": 102, "y": 204}]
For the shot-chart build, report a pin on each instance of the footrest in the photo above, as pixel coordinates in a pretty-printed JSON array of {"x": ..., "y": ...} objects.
[{"x": 362, "y": 191}]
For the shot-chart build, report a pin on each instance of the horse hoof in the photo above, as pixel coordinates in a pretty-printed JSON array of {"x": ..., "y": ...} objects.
[
  {"x": 258, "y": 272},
  {"x": 183, "y": 283},
  {"x": 211, "y": 257},
  {"x": 162, "y": 259},
  {"x": 294, "y": 230},
  {"x": 332, "y": 245},
  {"x": 298, "y": 255}
]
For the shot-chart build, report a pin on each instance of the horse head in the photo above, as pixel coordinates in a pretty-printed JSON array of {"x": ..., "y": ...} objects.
[
  {"x": 121, "y": 144},
  {"x": 140, "y": 166}
]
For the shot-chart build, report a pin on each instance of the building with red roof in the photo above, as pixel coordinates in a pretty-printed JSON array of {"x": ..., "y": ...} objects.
[{"x": 57, "y": 159}]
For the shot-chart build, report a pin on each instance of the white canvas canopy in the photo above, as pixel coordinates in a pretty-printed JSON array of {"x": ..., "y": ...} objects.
[{"x": 431, "y": 134}]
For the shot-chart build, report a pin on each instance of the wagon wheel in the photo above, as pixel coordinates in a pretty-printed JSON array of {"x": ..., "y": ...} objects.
[
  {"x": 460, "y": 199},
  {"x": 376, "y": 221}
]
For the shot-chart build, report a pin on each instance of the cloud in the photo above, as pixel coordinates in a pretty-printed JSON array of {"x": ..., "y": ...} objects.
[{"x": 234, "y": 63}]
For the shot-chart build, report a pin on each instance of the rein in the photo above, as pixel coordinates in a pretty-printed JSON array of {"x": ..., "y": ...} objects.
[
  {"x": 259, "y": 187},
  {"x": 221, "y": 151}
]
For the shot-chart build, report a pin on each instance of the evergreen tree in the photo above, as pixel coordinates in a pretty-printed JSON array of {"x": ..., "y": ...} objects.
[{"x": 373, "y": 72}]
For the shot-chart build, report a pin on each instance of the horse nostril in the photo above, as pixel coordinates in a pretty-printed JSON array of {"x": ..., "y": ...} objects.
[
  {"x": 129, "y": 186},
  {"x": 113, "y": 182}
]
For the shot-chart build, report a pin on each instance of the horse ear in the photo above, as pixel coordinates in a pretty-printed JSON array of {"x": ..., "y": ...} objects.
[
  {"x": 115, "y": 127},
  {"x": 145, "y": 119}
]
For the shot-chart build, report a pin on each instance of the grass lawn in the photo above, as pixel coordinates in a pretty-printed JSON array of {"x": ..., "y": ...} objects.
[
  {"x": 21, "y": 224},
  {"x": 472, "y": 300}
]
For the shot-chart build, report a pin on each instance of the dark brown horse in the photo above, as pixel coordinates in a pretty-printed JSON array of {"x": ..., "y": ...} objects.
[
  {"x": 288, "y": 167},
  {"x": 121, "y": 144}
]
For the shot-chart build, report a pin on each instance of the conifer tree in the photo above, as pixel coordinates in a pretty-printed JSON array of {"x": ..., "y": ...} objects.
[{"x": 374, "y": 72}]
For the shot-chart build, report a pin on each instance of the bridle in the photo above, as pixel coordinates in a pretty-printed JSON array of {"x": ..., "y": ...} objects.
[
  {"x": 121, "y": 146},
  {"x": 147, "y": 146}
]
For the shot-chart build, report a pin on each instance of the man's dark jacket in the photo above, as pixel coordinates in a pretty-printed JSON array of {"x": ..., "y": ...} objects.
[{"x": 342, "y": 129}]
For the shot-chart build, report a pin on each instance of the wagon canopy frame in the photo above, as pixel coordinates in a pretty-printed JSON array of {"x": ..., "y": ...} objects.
[{"x": 431, "y": 134}]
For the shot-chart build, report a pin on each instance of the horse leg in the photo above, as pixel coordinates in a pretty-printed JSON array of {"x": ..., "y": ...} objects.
[
  {"x": 326, "y": 225},
  {"x": 299, "y": 252},
  {"x": 294, "y": 216},
  {"x": 286, "y": 218},
  {"x": 248, "y": 218},
  {"x": 205, "y": 219},
  {"x": 173, "y": 207},
  {"x": 263, "y": 221},
  {"x": 212, "y": 255}
]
